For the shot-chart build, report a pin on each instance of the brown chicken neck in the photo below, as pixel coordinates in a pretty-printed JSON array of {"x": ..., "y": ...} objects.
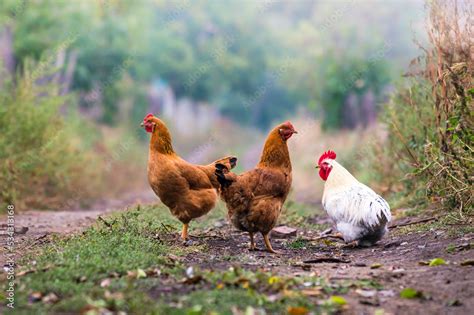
[
  {"x": 161, "y": 139},
  {"x": 275, "y": 152}
]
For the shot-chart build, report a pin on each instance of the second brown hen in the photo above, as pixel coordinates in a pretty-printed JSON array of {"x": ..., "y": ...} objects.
[{"x": 255, "y": 198}]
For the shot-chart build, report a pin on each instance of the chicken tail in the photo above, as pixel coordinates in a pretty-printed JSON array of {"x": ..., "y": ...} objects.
[
  {"x": 229, "y": 162},
  {"x": 224, "y": 176}
]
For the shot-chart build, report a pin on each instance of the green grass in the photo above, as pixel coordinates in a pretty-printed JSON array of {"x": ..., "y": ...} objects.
[
  {"x": 75, "y": 266},
  {"x": 298, "y": 243}
]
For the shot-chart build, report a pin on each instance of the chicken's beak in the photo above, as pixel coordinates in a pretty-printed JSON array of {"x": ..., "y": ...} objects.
[
  {"x": 294, "y": 131},
  {"x": 316, "y": 167},
  {"x": 142, "y": 125}
]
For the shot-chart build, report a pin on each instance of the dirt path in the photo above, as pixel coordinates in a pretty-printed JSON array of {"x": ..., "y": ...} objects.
[
  {"x": 393, "y": 264},
  {"x": 34, "y": 227}
]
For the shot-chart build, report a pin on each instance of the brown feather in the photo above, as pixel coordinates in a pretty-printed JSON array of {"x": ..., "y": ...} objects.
[
  {"x": 188, "y": 190},
  {"x": 255, "y": 198}
]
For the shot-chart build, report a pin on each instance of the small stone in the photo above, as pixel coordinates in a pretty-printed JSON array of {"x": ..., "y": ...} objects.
[
  {"x": 283, "y": 232},
  {"x": 21, "y": 230},
  {"x": 387, "y": 293},
  {"x": 366, "y": 293}
]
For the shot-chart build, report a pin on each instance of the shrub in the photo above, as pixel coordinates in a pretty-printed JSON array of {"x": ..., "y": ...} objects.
[
  {"x": 41, "y": 158},
  {"x": 430, "y": 123}
]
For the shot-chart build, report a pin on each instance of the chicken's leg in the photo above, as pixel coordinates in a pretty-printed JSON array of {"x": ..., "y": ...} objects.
[
  {"x": 184, "y": 233},
  {"x": 252, "y": 242},
  {"x": 337, "y": 235},
  {"x": 268, "y": 245}
]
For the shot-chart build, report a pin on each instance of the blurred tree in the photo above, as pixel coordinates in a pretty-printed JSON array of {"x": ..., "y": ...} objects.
[{"x": 222, "y": 53}]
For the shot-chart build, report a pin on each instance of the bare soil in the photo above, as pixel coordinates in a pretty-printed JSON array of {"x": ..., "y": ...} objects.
[{"x": 394, "y": 263}]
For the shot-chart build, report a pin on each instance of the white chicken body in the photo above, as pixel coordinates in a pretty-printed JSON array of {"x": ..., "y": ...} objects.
[{"x": 359, "y": 213}]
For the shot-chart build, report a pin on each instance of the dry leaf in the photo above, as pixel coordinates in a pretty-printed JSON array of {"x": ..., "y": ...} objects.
[
  {"x": 50, "y": 298},
  {"x": 311, "y": 292},
  {"x": 297, "y": 310},
  {"x": 105, "y": 283}
]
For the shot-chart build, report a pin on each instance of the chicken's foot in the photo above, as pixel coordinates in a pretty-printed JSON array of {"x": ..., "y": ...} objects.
[
  {"x": 352, "y": 244},
  {"x": 268, "y": 245},
  {"x": 337, "y": 235},
  {"x": 252, "y": 242}
]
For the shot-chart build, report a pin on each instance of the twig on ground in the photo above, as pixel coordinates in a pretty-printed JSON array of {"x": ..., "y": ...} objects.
[
  {"x": 326, "y": 259},
  {"x": 413, "y": 222},
  {"x": 107, "y": 224}
]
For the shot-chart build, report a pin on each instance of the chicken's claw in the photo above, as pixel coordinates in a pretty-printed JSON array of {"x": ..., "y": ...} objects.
[{"x": 268, "y": 245}]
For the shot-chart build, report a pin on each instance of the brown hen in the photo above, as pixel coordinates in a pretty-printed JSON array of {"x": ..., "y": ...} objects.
[
  {"x": 255, "y": 198},
  {"x": 189, "y": 191}
]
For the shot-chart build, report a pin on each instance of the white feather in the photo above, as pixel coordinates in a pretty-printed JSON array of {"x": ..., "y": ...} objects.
[{"x": 354, "y": 207}]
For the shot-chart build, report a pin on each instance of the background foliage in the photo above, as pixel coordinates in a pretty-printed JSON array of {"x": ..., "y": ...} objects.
[{"x": 77, "y": 77}]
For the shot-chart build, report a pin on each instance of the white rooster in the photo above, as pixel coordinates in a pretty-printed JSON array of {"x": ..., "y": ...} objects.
[{"x": 360, "y": 215}]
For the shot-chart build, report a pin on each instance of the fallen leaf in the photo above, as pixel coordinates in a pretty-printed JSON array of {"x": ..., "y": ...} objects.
[
  {"x": 437, "y": 262},
  {"x": 297, "y": 310},
  {"x": 141, "y": 273},
  {"x": 410, "y": 293},
  {"x": 289, "y": 293},
  {"x": 105, "y": 283},
  {"x": 50, "y": 298},
  {"x": 338, "y": 300},
  {"x": 311, "y": 292},
  {"x": 273, "y": 280},
  {"x": 376, "y": 266}
]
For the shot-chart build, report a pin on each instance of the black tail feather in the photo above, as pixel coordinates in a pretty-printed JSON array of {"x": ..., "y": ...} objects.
[{"x": 220, "y": 172}]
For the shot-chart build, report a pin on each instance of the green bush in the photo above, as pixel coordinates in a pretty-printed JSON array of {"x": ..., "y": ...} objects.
[
  {"x": 41, "y": 161},
  {"x": 430, "y": 123}
]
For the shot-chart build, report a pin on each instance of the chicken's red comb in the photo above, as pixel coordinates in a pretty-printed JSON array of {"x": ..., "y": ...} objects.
[
  {"x": 147, "y": 116},
  {"x": 327, "y": 155},
  {"x": 290, "y": 125}
]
